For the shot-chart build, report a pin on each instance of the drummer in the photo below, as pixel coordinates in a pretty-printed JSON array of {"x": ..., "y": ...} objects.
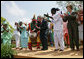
[{"x": 32, "y": 29}]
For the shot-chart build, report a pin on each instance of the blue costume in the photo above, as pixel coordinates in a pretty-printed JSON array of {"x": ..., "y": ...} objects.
[{"x": 24, "y": 37}]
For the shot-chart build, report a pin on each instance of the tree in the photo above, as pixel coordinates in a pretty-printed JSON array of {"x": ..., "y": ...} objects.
[{"x": 63, "y": 4}]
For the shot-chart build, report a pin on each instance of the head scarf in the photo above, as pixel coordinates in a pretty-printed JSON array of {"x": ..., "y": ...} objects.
[
  {"x": 39, "y": 18},
  {"x": 34, "y": 18}
]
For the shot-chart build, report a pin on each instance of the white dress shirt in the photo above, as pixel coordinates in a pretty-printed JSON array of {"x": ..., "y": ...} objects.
[{"x": 58, "y": 22}]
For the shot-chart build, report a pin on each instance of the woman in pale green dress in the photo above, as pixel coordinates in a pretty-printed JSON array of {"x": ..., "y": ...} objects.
[{"x": 6, "y": 34}]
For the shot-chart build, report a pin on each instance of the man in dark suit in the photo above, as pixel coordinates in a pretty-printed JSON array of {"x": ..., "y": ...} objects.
[{"x": 43, "y": 34}]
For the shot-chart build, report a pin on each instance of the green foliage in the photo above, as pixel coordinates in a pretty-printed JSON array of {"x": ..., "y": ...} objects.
[
  {"x": 63, "y": 4},
  {"x": 13, "y": 45},
  {"x": 13, "y": 38},
  {"x": 11, "y": 28},
  {"x": 69, "y": 2},
  {"x": 2, "y": 20},
  {"x": 6, "y": 51}
]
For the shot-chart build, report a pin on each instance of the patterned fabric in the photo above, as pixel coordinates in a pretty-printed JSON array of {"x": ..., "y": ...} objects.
[
  {"x": 6, "y": 36},
  {"x": 38, "y": 18},
  {"x": 52, "y": 32},
  {"x": 65, "y": 30},
  {"x": 32, "y": 27},
  {"x": 24, "y": 37}
]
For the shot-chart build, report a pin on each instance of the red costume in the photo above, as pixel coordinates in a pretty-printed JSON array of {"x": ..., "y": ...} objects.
[{"x": 33, "y": 29}]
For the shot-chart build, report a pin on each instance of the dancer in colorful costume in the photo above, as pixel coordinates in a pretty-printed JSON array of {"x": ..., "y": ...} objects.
[
  {"x": 34, "y": 33},
  {"x": 24, "y": 35}
]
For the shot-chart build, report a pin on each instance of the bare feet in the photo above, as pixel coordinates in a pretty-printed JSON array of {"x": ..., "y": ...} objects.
[
  {"x": 21, "y": 48},
  {"x": 25, "y": 48},
  {"x": 56, "y": 49}
]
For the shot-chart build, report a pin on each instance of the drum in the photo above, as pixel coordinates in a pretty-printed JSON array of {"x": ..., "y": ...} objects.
[{"x": 32, "y": 35}]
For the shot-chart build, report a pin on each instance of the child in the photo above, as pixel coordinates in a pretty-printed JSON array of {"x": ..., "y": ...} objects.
[{"x": 66, "y": 36}]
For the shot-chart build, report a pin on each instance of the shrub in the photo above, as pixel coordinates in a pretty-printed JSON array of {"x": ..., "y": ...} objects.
[
  {"x": 13, "y": 45},
  {"x": 6, "y": 51}
]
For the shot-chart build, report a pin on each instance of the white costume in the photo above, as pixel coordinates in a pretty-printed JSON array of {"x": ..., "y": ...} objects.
[
  {"x": 49, "y": 27},
  {"x": 17, "y": 37},
  {"x": 80, "y": 32},
  {"x": 58, "y": 31}
]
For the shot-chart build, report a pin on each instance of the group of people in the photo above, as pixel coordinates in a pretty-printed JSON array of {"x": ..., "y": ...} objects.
[
  {"x": 58, "y": 20},
  {"x": 36, "y": 30},
  {"x": 63, "y": 29}
]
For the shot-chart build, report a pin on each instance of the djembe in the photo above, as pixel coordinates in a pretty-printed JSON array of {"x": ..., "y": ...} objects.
[{"x": 33, "y": 37}]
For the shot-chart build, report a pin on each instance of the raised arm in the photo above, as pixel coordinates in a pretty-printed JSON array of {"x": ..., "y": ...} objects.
[{"x": 48, "y": 16}]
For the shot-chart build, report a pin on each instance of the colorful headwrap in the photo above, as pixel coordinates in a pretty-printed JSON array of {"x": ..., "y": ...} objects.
[
  {"x": 39, "y": 18},
  {"x": 33, "y": 19}
]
